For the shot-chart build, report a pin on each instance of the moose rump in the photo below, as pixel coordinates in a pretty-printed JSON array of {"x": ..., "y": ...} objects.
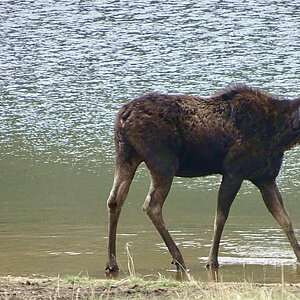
[{"x": 240, "y": 133}]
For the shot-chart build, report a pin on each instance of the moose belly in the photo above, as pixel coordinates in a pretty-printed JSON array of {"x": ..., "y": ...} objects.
[{"x": 201, "y": 161}]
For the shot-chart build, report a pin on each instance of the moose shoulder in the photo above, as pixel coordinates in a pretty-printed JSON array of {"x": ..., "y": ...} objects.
[{"x": 240, "y": 133}]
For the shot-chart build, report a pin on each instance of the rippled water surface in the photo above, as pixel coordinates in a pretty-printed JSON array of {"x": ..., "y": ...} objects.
[{"x": 65, "y": 69}]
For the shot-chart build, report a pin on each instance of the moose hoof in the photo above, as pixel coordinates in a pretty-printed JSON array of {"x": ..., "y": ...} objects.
[
  {"x": 111, "y": 268},
  {"x": 179, "y": 266},
  {"x": 212, "y": 265}
]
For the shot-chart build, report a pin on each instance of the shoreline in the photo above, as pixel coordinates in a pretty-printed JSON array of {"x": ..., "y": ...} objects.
[{"x": 76, "y": 287}]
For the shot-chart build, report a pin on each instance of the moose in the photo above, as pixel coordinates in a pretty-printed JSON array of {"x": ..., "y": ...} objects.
[{"x": 240, "y": 133}]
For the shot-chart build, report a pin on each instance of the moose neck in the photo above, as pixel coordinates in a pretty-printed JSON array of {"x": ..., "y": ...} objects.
[{"x": 291, "y": 135}]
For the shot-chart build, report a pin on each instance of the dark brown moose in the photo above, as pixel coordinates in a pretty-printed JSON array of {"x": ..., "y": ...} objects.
[{"x": 240, "y": 133}]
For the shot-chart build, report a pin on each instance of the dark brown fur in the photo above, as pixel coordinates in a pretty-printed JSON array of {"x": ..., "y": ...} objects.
[{"x": 240, "y": 133}]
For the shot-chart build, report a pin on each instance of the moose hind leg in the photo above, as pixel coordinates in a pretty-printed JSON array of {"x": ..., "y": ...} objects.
[
  {"x": 274, "y": 203},
  {"x": 159, "y": 189},
  {"x": 124, "y": 174}
]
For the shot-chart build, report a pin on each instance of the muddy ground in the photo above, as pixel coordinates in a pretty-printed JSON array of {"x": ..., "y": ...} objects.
[{"x": 55, "y": 288}]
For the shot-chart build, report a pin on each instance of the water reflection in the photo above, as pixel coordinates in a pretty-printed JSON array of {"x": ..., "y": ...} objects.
[{"x": 66, "y": 67}]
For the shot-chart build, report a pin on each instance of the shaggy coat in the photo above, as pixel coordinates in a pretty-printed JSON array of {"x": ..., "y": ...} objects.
[{"x": 240, "y": 133}]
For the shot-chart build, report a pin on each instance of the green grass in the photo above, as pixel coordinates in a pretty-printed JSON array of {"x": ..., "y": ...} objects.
[
  {"x": 76, "y": 279},
  {"x": 136, "y": 287}
]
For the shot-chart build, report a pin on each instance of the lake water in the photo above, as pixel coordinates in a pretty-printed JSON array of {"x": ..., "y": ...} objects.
[{"x": 65, "y": 69}]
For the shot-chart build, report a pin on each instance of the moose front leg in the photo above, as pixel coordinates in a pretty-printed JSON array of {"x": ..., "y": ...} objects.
[
  {"x": 229, "y": 187},
  {"x": 274, "y": 203}
]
